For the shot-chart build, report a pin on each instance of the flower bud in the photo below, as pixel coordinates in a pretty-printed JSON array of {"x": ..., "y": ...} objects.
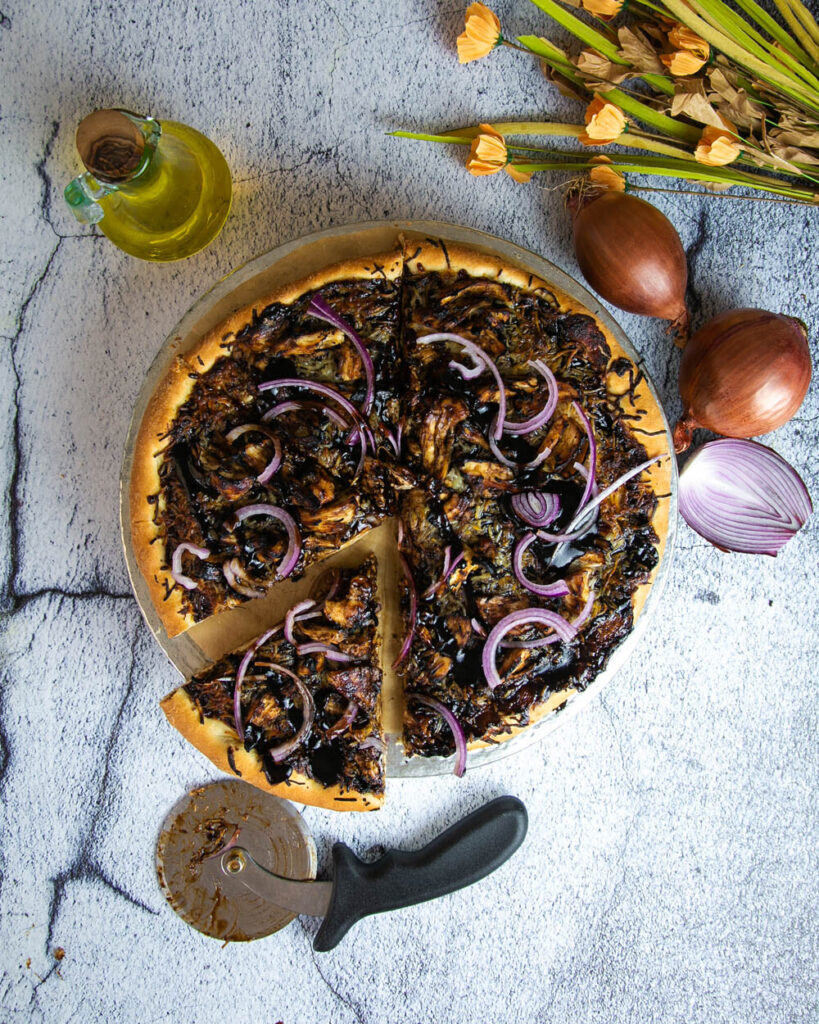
[
  {"x": 604, "y": 122},
  {"x": 481, "y": 33}
]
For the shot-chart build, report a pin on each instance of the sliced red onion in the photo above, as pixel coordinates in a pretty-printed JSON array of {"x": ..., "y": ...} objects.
[
  {"x": 537, "y": 508},
  {"x": 556, "y": 589},
  {"x": 467, "y": 372},
  {"x": 590, "y": 479},
  {"x": 290, "y": 619},
  {"x": 453, "y": 723},
  {"x": 244, "y": 664},
  {"x": 176, "y": 563},
  {"x": 526, "y": 616},
  {"x": 334, "y": 575},
  {"x": 552, "y": 638},
  {"x": 291, "y": 556},
  {"x": 260, "y": 428},
  {"x": 319, "y": 388},
  {"x": 413, "y": 611},
  {"x": 279, "y": 753},
  {"x": 478, "y": 627},
  {"x": 296, "y": 406},
  {"x": 446, "y": 572},
  {"x": 598, "y": 499},
  {"x": 321, "y": 311},
  {"x": 330, "y": 653},
  {"x": 234, "y": 573},
  {"x": 546, "y": 413},
  {"x": 742, "y": 496},
  {"x": 479, "y": 356},
  {"x": 536, "y": 461},
  {"x": 393, "y": 440},
  {"x": 373, "y": 743},
  {"x": 344, "y": 722}
]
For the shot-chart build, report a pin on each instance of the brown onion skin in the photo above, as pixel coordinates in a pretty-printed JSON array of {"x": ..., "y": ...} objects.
[
  {"x": 742, "y": 374},
  {"x": 631, "y": 254}
]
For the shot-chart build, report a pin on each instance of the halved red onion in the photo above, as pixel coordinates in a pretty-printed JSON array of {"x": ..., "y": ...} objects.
[
  {"x": 453, "y": 723},
  {"x": 291, "y": 556},
  {"x": 552, "y": 638},
  {"x": 546, "y": 413},
  {"x": 526, "y": 616},
  {"x": 536, "y": 461},
  {"x": 537, "y": 508},
  {"x": 321, "y": 311},
  {"x": 556, "y": 589},
  {"x": 261, "y": 428},
  {"x": 373, "y": 743},
  {"x": 279, "y": 753},
  {"x": 479, "y": 356},
  {"x": 290, "y": 619},
  {"x": 330, "y": 653},
  {"x": 176, "y": 563},
  {"x": 344, "y": 722},
  {"x": 296, "y": 406},
  {"x": 742, "y": 496},
  {"x": 590, "y": 479},
  {"x": 413, "y": 610},
  {"x": 244, "y": 664},
  {"x": 238, "y": 580}
]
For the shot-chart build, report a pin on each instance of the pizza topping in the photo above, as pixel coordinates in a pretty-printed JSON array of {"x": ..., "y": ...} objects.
[
  {"x": 288, "y": 563},
  {"x": 590, "y": 474},
  {"x": 536, "y": 508},
  {"x": 479, "y": 358},
  {"x": 453, "y": 723},
  {"x": 413, "y": 610},
  {"x": 280, "y": 752},
  {"x": 563, "y": 630},
  {"x": 330, "y": 653},
  {"x": 450, "y": 565},
  {"x": 290, "y": 619},
  {"x": 544, "y": 641},
  {"x": 176, "y": 563},
  {"x": 321, "y": 311},
  {"x": 345, "y": 720},
  {"x": 240, "y": 675},
  {"x": 545, "y": 414},
  {"x": 540, "y": 458},
  {"x": 260, "y": 428},
  {"x": 556, "y": 589},
  {"x": 321, "y": 389},
  {"x": 238, "y": 580}
]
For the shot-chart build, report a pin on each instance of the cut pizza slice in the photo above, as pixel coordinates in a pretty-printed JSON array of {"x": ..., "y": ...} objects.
[
  {"x": 266, "y": 446},
  {"x": 298, "y": 711}
]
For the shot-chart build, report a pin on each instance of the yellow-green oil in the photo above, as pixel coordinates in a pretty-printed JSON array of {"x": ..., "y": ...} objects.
[{"x": 176, "y": 204}]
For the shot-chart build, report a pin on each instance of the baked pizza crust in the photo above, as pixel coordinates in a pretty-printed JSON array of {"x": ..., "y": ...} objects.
[
  {"x": 214, "y": 739},
  {"x": 174, "y": 391}
]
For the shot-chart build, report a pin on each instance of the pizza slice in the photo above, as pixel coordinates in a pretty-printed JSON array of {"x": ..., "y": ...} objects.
[
  {"x": 298, "y": 711},
  {"x": 266, "y": 447}
]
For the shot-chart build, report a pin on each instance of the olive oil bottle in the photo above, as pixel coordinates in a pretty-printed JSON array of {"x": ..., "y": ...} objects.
[{"x": 158, "y": 191}]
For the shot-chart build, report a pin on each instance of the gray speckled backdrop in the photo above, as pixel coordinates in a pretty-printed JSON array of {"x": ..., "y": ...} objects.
[{"x": 671, "y": 868}]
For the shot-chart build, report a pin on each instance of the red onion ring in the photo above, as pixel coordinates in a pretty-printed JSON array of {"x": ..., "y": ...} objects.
[
  {"x": 537, "y": 508},
  {"x": 321, "y": 311},
  {"x": 526, "y": 616},
  {"x": 290, "y": 618},
  {"x": 466, "y": 372},
  {"x": 275, "y": 462},
  {"x": 308, "y": 711},
  {"x": 478, "y": 627},
  {"x": 454, "y": 725},
  {"x": 532, "y": 424},
  {"x": 344, "y": 722},
  {"x": 557, "y": 589},
  {"x": 292, "y": 406},
  {"x": 313, "y": 385},
  {"x": 330, "y": 653},
  {"x": 373, "y": 743},
  {"x": 552, "y": 638},
  {"x": 581, "y": 513},
  {"x": 234, "y": 573},
  {"x": 413, "y": 612},
  {"x": 176, "y": 563},
  {"x": 244, "y": 664},
  {"x": 592, "y": 454},
  {"x": 478, "y": 355},
  {"x": 291, "y": 556},
  {"x": 536, "y": 461}
]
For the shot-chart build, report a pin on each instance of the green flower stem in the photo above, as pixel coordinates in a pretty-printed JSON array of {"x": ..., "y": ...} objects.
[
  {"x": 591, "y": 37},
  {"x": 685, "y": 11},
  {"x": 666, "y": 125},
  {"x": 806, "y": 18},
  {"x": 801, "y": 33},
  {"x": 774, "y": 30}
]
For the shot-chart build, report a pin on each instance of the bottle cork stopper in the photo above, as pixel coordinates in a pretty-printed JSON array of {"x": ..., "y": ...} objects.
[{"x": 110, "y": 145}]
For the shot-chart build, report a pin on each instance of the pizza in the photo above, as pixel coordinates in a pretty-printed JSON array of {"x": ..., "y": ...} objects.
[{"x": 516, "y": 445}]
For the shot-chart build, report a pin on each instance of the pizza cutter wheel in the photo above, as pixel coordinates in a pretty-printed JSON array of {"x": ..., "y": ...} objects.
[{"x": 237, "y": 863}]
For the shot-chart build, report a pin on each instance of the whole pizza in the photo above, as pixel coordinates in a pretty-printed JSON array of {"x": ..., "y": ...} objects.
[{"x": 515, "y": 446}]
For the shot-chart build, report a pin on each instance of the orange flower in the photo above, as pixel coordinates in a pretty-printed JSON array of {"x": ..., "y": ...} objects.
[
  {"x": 606, "y": 177},
  {"x": 481, "y": 33},
  {"x": 604, "y": 122},
  {"x": 691, "y": 53},
  {"x": 605, "y": 9},
  {"x": 718, "y": 146},
  {"x": 488, "y": 155}
]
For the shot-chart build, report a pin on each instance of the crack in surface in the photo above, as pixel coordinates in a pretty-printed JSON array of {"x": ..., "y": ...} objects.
[
  {"x": 19, "y": 601},
  {"x": 351, "y": 1006},
  {"x": 692, "y": 254}
]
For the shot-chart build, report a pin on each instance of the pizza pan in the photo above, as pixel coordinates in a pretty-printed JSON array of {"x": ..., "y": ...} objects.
[{"x": 208, "y": 641}]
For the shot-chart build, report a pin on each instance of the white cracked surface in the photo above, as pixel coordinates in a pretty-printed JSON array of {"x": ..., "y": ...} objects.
[{"x": 670, "y": 871}]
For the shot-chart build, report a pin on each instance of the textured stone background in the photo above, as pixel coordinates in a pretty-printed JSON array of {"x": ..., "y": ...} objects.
[{"x": 671, "y": 867}]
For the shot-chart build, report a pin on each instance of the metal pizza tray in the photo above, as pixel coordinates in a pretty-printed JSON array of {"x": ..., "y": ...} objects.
[{"x": 208, "y": 641}]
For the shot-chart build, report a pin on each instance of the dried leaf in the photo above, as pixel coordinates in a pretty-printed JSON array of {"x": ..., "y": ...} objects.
[
  {"x": 741, "y": 110},
  {"x": 690, "y": 99},
  {"x": 563, "y": 85},
  {"x": 793, "y": 153},
  {"x": 638, "y": 51},
  {"x": 603, "y": 73},
  {"x": 755, "y": 151},
  {"x": 797, "y": 138}
]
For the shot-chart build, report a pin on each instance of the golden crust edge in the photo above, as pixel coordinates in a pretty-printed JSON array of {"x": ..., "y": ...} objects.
[{"x": 213, "y": 739}]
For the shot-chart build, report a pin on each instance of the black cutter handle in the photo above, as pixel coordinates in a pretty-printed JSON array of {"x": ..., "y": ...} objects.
[{"x": 468, "y": 851}]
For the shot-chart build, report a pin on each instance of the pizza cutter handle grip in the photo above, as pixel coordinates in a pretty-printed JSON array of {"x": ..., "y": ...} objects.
[{"x": 466, "y": 852}]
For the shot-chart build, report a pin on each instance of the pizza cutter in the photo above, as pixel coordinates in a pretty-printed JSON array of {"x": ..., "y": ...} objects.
[{"x": 237, "y": 863}]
